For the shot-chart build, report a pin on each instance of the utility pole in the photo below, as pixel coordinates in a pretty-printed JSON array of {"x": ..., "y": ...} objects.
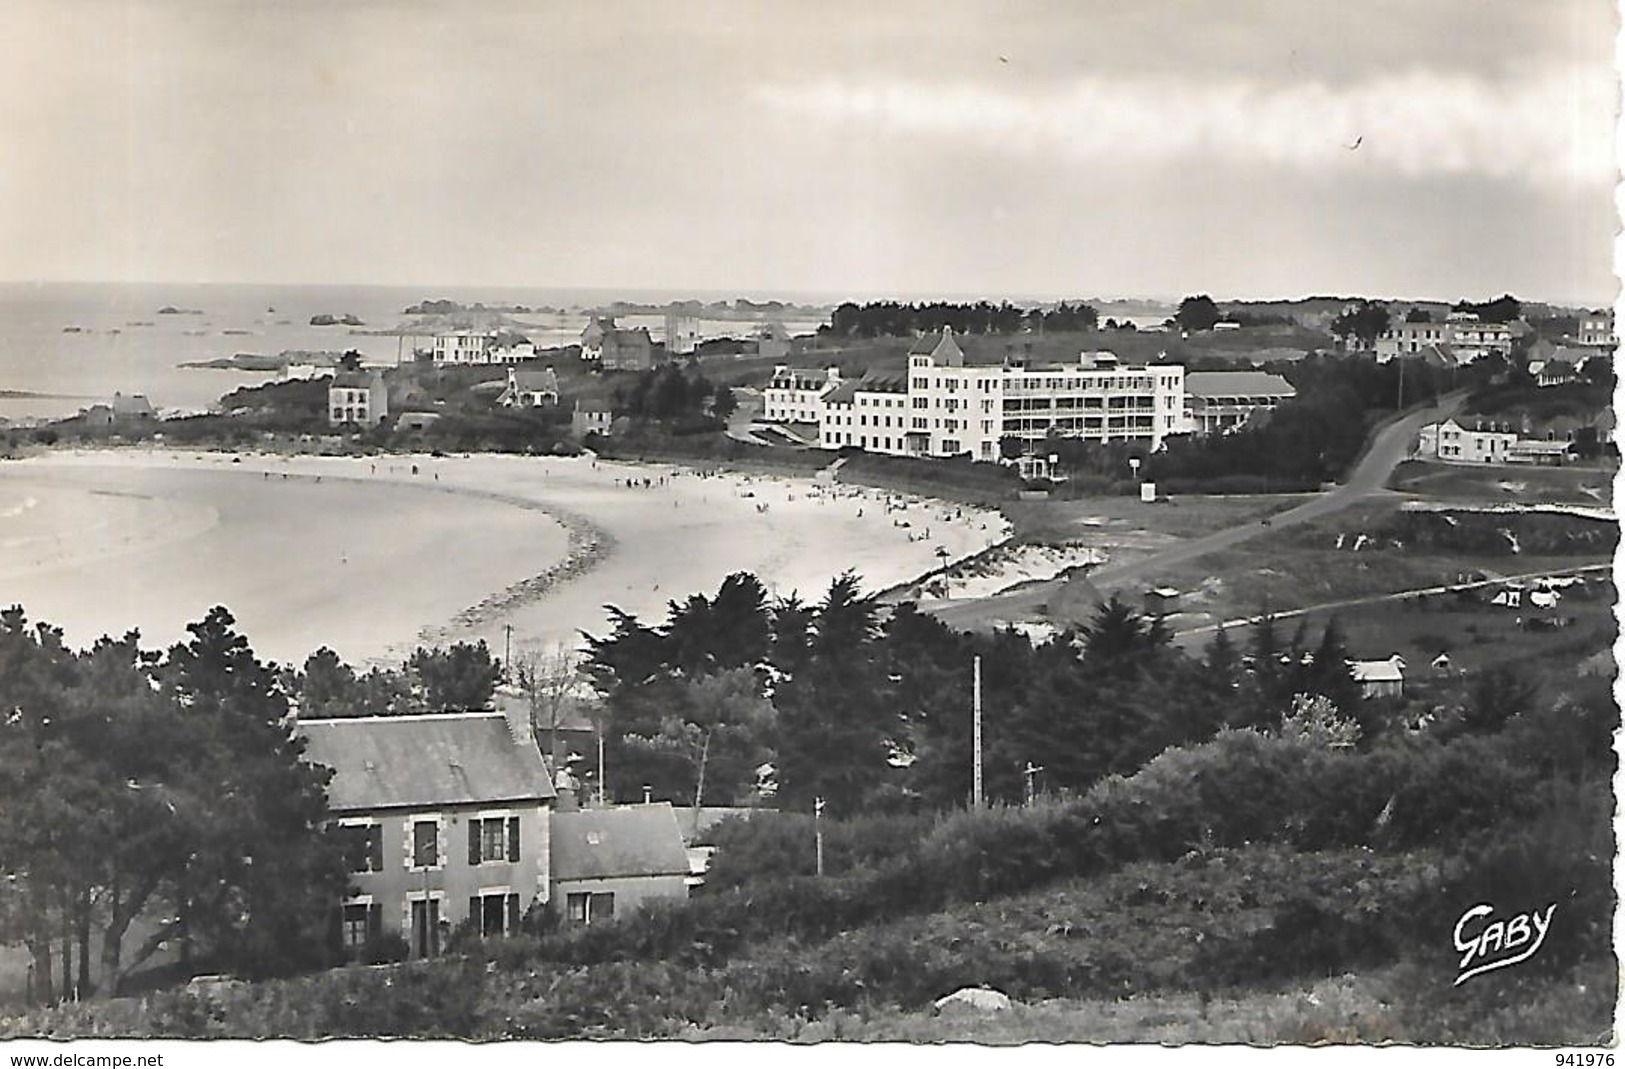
[
  {"x": 1031, "y": 771},
  {"x": 818, "y": 835},
  {"x": 976, "y": 732},
  {"x": 507, "y": 653}
]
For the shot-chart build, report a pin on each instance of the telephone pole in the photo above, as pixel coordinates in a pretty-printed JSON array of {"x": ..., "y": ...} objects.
[
  {"x": 976, "y": 732},
  {"x": 818, "y": 835}
]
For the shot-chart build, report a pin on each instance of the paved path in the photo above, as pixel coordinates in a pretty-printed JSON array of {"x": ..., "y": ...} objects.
[{"x": 1387, "y": 449}]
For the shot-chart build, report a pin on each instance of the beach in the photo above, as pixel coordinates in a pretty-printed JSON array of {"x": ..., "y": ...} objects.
[{"x": 372, "y": 556}]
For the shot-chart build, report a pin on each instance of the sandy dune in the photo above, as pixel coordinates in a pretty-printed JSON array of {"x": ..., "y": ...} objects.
[{"x": 366, "y": 557}]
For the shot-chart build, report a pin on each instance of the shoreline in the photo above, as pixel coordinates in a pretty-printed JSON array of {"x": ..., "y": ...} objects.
[{"x": 635, "y": 535}]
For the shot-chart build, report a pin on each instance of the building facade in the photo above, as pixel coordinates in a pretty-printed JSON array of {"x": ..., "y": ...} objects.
[
  {"x": 615, "y": 348},
  {"x": 1467, "y": 439},
  {"x": 591, "y": 417},
  {"x": 608, "y": 862},
  {"x": 870, "y": 414},
  {"x": 947, "y": 406},
  {"x": 795, "y": 395},
  {"x": 357, "y": 397},
  {"x": 1220, "y": 401},
  {"x": 530, "y": 389},
  {"x": 1462, "y": 333},
  {"x": 1597, "y": 328},
  {"x": 464, "y": 347},
  {"x": 682, "y": 334},
  {"x": 447, "y": 821}
]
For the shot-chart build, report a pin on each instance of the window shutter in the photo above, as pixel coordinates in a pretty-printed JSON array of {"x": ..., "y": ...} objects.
[
  {"x": 375, "y": 921},
  {"x": 513, "y": 914},
  {"x": 407, "y": 845},
  {"x": 474, "y": 917},
  {"x": 474, "y": 841},
  {"x": 440, "y": 852},
  {"x": 375, "y": 849},
  {"x": 513, "y": 838}
]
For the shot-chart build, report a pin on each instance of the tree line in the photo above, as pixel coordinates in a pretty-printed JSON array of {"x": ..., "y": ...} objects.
[
  {"x": 1312, "y": 438},
  {"x": 671, "y": 396},
  {"x": 156, "y": 800},
  {"x": 879, "y": 319},
  {"x": 871, "y": 710}
]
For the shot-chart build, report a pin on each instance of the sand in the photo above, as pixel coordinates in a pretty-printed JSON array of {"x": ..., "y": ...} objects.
[{"x": 370, "y": 559}]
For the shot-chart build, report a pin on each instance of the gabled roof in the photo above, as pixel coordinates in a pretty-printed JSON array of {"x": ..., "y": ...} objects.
[
  {"x": 133, "y": 405},
  {"x": 636, "y": 840},
  {"x": 440, "y": 759},
  {"x": 1389, "y": 671},
  {"x": 355, "y": 380},
  {"x": 593, "y": 404},
  {"x": 1237, "y": 384},
  {"x": 545, "y": 381},
  {"x": 940, "y": 347},
  {"x": 628, "y": 336}
]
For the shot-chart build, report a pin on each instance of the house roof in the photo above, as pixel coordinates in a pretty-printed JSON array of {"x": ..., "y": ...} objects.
[
  {"x": 627, "y": 336},
  {"x": 635, "y": 840},
  {"x": 132, "y": 405},
  {"x": 545, "y": 380},
  {"x": 353, "y": 380},
  {"x": 436, "y": 759},
  {"x": 799, "y": 378},
  {"x": 1389, "y": 671},
  {"x": 592, "y": 404},
  {"x": 1237, "y": 384},
  {"x": 846, "y": 391},
  {"x": 940, "y": 347}
]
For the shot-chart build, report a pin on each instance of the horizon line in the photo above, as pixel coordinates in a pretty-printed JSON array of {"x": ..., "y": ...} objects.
[{"x": 811, "y": 296}]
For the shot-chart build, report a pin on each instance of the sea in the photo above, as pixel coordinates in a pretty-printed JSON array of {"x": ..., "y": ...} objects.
[{"x": 66, "y": 346}]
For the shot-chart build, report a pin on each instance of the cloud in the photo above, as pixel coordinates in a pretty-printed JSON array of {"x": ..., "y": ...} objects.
[{"x": 1554, "y": 127}]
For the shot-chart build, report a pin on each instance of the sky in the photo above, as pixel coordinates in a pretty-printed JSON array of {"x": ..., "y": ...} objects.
[{"x": 1042, "y": 149}]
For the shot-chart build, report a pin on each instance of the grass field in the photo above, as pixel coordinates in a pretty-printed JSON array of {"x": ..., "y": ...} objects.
[{"x": 1498, "y": 484}]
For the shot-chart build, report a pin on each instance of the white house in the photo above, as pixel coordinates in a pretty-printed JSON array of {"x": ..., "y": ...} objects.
[
  {"x": 1461, "y": 334},
  {"x": 481, "y": 347},
  {"x": 357, "y": 397},
  {"x": 795, "y": 395},
  {"x": 1467, "y": 439},
  {"x": 1380, "y": 679},
  {"x": 1597, "y": 328},
  {"x": 530, "y": 389}
]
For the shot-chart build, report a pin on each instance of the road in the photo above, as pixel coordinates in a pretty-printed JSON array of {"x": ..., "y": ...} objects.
[{"x": 1387, "y": 449}]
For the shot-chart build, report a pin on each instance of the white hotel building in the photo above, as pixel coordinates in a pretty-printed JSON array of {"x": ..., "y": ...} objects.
[{"x": 947, "y": 407}]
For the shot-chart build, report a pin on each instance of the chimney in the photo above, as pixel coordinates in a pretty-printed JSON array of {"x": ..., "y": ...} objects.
[
  {"x": 568, "y": 789},
  {"x": 514, "y": 705}
]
